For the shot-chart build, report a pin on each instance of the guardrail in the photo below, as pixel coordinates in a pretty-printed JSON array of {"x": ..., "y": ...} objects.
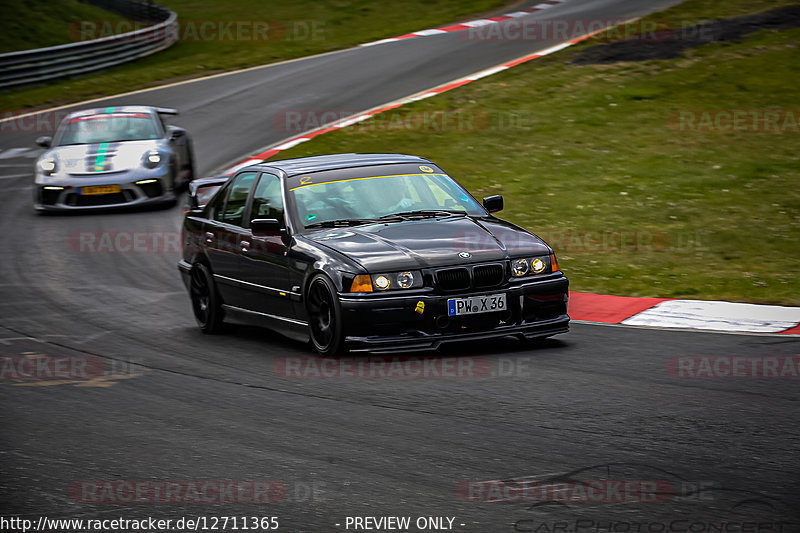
[{"x": 42, "y": 64}]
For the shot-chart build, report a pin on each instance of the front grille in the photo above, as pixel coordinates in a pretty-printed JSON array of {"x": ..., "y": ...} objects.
[
  {"x": 453, "y": 279},
  {"x": 90, "y": 200},
  {"x": 475, "y": 277},
  {"x": 486, "y": 276}
]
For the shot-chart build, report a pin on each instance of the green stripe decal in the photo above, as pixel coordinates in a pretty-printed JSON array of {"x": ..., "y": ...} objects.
[{"x": 100, "y": 158}]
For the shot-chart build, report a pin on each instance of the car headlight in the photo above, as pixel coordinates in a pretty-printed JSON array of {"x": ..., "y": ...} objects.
[
  {"x": 151, "y": 159},
  {"x": 405, "y": 280},
  {"x": 408, "y": 279},
  {"x": 534, "y": 265},
  {"x": 47, "y": 165},
  {"x": 381, "y": 282},
  {"x": 519, "y": 267}
]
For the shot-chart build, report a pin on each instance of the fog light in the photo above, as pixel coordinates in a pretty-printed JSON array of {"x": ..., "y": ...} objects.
[{"x": 519, "y": 267}]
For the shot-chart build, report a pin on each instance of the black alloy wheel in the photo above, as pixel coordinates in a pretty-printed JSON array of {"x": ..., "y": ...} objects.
[
  {"x": 205, "y": 300},
  {"x": 324, "y": 317}
]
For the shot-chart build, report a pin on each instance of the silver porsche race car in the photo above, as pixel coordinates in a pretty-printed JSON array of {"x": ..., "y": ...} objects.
[{"x": 113, "y": 157}]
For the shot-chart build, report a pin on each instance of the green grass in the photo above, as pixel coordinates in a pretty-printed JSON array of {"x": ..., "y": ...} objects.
[
  {"x": 39, "y": 23},
  {"x": 294, "y": 29},
  {"x": 583, "y": 149}
]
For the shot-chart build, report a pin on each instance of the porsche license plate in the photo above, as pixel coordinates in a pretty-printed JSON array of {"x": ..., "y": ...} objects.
[
  {"x": 487, "y": 303},
  {"x": 101, "y": 189}
]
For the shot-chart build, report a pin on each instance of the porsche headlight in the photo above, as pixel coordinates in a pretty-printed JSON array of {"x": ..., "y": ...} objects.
[
  {"x": 152, "y": 159},
  {"x": 47, "y": 165}
]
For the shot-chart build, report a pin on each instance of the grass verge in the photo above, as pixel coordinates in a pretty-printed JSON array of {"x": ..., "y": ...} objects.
[
  {"x": 267, "y": 32},
  {"x": 596, "y": 159},
  {"x": 39, "y": 23}
]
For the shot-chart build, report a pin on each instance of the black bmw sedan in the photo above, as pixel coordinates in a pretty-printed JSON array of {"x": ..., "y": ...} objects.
[{"x": 367, "y": 252}]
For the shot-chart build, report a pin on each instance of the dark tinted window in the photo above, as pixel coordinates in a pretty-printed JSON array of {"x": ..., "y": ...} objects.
[
  {"x": 204, "y": 194},
  {"x": 268, "y": 199},
  {"x": 215, "y": 208},
  {"x": 232, "y": 212}
]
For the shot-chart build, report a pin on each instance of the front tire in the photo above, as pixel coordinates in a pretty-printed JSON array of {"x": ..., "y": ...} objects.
[
  {"x": 324, "y": 317},
  {"x": 206, "y": 302}
]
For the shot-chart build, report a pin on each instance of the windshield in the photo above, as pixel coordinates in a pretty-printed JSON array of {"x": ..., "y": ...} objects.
[
  {"x": 371, "y": 198},
  {"x": 110, "y": 127}
]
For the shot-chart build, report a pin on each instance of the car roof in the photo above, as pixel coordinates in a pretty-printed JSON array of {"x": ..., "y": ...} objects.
[
  {"x": 120, "y": 109},
  {"x": 304, "y": 165}
]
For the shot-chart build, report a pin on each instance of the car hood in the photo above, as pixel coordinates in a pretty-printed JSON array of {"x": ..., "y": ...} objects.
[
  {"x": 431, "y": 243},
  {"x": 79, "y": 159}
]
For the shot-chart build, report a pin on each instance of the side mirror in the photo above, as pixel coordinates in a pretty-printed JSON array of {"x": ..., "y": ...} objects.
[
  {"x": 493, "y": 204},
  {"x": 45, "y": 141},
  {"x": 265, "y": 227},
  {"x": 176, "y": 134},
  {"x": 269, "y": 227}
]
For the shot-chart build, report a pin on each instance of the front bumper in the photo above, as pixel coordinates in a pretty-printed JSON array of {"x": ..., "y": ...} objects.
[
  {"x": 384, "y": 323},
  {"x": 66, "y": 194}
]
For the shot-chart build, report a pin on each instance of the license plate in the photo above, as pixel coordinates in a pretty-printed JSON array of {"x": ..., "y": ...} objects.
[
  {"x": 100, "y": 189},
  {"x": 487, "y": 303}
]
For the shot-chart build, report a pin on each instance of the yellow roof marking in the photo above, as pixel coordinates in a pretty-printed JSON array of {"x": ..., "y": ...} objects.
[{"x": 358, "y": 179}]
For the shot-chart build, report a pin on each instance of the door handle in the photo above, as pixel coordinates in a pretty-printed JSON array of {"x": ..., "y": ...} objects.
[
  {"x": 245, "y": 245},
  {"x": 209, "y": 237}
]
